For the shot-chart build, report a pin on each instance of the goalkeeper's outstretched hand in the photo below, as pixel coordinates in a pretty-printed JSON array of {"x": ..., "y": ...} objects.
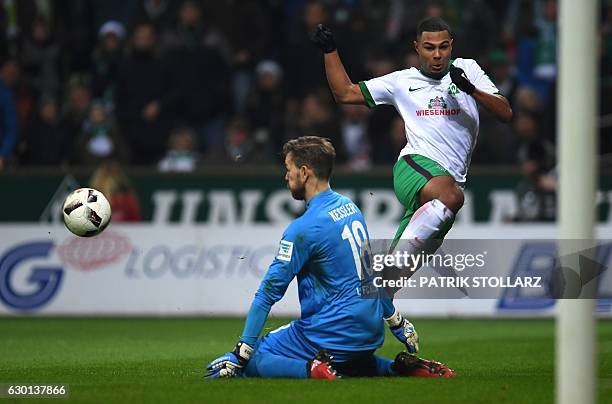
[
  {"x": 404, "y": 331},
  {"x": 231, "y": 364},
  {"x": 461, "y": 81},
  {"x": 324, "y": 39}
]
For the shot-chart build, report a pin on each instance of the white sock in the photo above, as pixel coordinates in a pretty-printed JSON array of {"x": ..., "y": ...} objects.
[
  {"x": 427, "y": 221},
  {"x": 418, "y": 237}
]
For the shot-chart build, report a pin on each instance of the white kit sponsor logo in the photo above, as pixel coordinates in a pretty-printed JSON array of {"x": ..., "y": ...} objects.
[{"x": 285, "y": 250}]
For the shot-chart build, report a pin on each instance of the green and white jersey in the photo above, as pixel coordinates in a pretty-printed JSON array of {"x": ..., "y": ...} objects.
[{"x": 441, "y": 121}]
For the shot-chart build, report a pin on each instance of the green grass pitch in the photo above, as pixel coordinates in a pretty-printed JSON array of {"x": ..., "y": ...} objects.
[{"x": 161, "y": 360}]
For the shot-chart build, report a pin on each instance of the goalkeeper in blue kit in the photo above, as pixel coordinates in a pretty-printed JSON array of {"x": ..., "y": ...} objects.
[{"x": 338, "y": 330}]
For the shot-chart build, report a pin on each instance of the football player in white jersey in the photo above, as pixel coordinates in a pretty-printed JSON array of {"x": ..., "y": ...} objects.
[{"x": 439, "y": 105}]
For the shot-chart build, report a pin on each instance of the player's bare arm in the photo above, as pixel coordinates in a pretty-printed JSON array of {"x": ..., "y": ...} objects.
[
  {"x": 496, "y": 104},
  {"x": 342, "y": 88}
]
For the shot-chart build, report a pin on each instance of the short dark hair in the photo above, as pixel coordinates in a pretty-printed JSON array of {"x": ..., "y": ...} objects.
[
  {"x": 313, "y": 151},
  {"x": 433, "y": 24}
]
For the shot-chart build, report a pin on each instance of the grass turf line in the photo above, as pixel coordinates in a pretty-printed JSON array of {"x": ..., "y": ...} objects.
[{"x": 162, "y": 360}]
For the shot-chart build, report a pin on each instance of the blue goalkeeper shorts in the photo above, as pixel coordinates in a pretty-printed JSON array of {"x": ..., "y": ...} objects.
[{"x": 287, "y": 341}]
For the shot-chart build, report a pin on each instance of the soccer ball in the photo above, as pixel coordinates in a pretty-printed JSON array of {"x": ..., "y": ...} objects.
[{"x": 86, "y": 212}]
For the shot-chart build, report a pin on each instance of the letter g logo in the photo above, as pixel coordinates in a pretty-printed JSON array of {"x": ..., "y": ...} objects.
[{"x": 47, "y": 279}]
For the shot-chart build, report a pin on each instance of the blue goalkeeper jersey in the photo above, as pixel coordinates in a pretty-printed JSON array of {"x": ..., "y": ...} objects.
[{"x": 322, "y": 249}]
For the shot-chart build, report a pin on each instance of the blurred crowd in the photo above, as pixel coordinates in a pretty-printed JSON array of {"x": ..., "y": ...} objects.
[{"x": 186, "y": 84}]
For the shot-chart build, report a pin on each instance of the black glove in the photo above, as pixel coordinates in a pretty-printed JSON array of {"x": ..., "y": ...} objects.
[
  {"x": 458, "y": 77},
  {"x": 324, "y": 39}
]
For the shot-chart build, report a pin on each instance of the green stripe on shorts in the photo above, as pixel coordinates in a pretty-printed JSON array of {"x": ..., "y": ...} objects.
[{"x": 410, "y": 174}]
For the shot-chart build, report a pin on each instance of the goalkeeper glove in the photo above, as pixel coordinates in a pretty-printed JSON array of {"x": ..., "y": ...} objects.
[
  {"x": 231, "y": 364},
  {"x": 404, "y": 331},
  {"x": 324, "y": 39},
  {"x": 461, "y": 81}
]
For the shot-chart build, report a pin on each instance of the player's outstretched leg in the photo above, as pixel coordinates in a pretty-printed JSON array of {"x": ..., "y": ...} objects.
[
  {"x": 384, "y": 366},
  {"x": 266, "y": 364},
  {"x": 431, "y": 198},
  {"x": 285, "y": 352},
  {"x": 270, "y": 365},
  {"x": 430, "y": 195},
  {"x": 406, "y": 364}
]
